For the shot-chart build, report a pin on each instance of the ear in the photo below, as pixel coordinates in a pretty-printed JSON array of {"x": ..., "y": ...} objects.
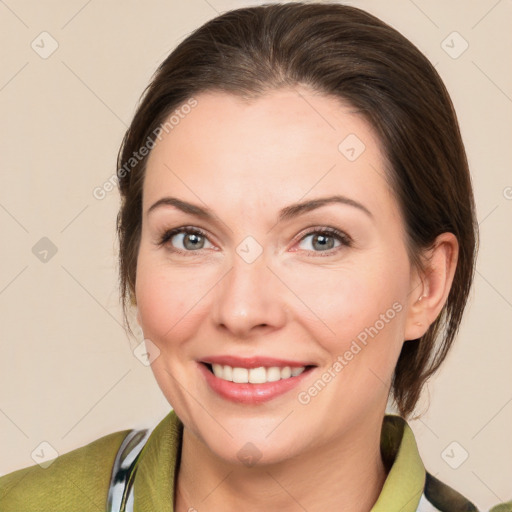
[{"x": 430, "y": 288}]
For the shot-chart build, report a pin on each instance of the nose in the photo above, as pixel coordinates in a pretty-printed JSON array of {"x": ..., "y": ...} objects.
[{"x": 249, "y": 300}]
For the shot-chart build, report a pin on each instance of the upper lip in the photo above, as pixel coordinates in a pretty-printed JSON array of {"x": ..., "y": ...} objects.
[{"x": 253, "y": 362}]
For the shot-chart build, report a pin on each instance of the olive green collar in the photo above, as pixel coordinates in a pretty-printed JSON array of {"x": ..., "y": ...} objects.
[
  {"x": 159, "y": 459},
  {"x": 404, "y": 484}
]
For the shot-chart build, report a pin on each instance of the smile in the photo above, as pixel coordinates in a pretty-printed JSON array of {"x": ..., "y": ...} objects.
[{"x": 252, "y": 380}]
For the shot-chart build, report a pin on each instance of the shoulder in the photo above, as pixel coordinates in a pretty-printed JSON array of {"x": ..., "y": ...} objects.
[{"x": 77, "y": 480}]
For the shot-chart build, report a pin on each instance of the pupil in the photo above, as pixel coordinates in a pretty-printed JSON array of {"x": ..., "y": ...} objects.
[
  {"x": 322, "y": 239},
  {"x": 194, "y": 244}
]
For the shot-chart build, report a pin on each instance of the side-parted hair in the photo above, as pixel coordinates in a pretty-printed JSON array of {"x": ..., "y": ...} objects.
[{"x": 346, "y": 53}]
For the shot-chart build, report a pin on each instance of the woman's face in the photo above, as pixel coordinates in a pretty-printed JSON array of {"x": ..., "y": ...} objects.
[{"x": 257, "y": 286}]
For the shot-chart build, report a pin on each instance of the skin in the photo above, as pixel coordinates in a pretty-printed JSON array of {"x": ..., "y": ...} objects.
[{"x": 245, "y": 161}]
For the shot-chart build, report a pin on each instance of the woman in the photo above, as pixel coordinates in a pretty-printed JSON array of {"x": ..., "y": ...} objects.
[{"x": 297, "y": 234}]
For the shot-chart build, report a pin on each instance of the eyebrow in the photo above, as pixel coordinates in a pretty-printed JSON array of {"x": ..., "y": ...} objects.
[{"x": 287, "y": 213}]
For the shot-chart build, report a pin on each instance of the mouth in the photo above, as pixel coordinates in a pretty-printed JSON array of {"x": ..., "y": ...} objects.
[{"x": 252, "y": 381}]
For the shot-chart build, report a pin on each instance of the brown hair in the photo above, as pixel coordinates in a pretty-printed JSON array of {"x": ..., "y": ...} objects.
[{"x": 347, "y": 53}]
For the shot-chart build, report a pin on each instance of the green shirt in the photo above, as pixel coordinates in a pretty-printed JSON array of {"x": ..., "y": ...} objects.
[{"x": 79, "y": 480}]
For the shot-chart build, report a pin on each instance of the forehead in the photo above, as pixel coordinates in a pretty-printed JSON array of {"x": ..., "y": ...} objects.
[{"x": 276, "y": 148}]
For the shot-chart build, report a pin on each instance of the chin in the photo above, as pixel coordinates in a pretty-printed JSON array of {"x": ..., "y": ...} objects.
[
  {"x": 249, "y": 442},
  {"x": 255, "y": 453}
]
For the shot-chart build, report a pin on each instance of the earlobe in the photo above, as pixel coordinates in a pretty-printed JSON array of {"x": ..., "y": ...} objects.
[{"x": 427, "y": 299}]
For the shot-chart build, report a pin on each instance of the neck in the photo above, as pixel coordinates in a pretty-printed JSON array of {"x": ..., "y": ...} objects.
[{"x": 348, "y": 471}]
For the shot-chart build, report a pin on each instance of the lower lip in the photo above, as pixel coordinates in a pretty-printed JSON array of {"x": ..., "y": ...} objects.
[{"x": 251, "y": 393}]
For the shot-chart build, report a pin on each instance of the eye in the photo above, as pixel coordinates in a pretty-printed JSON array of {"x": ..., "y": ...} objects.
[
  {"x": 324, "y": 240},
  {"x": 194, "y": 239},
  {"x": 191, "y": 239}
]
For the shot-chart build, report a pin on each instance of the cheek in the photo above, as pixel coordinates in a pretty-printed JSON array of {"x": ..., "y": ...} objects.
[
  {"x": 167, "y": 298},
  {"x": 362, "y": 301},
  {"x": 171, "y": 299}
]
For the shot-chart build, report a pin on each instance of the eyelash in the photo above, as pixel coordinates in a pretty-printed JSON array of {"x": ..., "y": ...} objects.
[{"x": 345, "y": 240}]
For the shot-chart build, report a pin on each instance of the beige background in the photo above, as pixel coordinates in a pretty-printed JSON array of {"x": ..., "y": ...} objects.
[{"x": 67, "y": 371}]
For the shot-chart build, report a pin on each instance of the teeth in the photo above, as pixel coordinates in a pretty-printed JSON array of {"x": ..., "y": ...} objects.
[
  {"x": 240, "y": 375},
  {"x": 273, "y": 374},
  {"x": 286, "y": 372},
  {"x": 297, "y": 371},
  {"x": 259, "y": 375},
  {"x": 228, "y": 372}
]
